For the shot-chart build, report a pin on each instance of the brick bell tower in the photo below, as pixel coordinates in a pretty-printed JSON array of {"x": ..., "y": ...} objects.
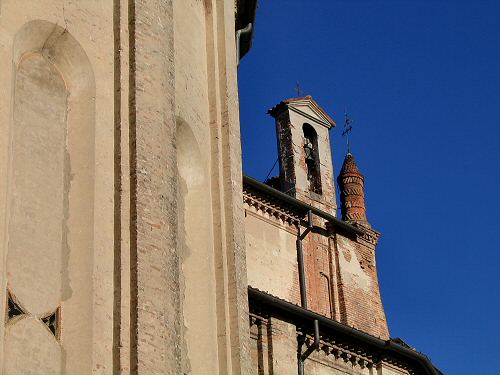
[
  {"x": 339, "y": 269},
  {"x": 304, "y": 152}
]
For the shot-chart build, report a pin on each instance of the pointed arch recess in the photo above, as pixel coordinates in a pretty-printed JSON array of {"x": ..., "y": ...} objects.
[
  {"x": 195, "y": 245},
  {"x": 50, "y": 203}
]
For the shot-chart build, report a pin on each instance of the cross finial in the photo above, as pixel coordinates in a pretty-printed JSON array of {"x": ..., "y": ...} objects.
[
  {"x": 298, "y": 90},
  {"x": 347, "y": 130}
]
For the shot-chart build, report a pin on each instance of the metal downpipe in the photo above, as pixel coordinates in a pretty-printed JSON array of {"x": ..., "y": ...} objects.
[
  {"x": 302, "y": 276},
  {"x": 312, "y": 348},
  {"x": 301, "y": 357},
  {"x": 300, "y": 259}
]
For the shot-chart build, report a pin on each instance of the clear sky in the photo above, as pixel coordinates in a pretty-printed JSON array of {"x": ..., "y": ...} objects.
[{"x": 421, "y": 81}]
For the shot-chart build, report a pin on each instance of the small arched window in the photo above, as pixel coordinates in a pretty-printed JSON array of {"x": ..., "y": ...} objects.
[{"x": 311, "y": 156}]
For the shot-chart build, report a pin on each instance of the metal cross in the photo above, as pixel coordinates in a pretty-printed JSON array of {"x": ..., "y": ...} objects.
[
  {"x": 298, "y": 90},
  {"x": 347, "y": 130}
]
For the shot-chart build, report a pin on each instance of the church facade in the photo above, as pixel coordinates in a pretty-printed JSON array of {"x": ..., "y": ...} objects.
[{"x": 130, "y": 244}]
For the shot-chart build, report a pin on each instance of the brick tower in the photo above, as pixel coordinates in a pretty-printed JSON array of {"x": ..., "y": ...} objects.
[
  {"x": 352, "y": 194},
  {"x": 305, "y": 158}
]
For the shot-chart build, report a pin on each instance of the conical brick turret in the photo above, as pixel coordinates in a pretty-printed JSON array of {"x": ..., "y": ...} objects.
[{"x": 352, "y": 194}]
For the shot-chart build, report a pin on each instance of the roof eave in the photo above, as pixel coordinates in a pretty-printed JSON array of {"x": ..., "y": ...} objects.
[
  {"x": 341, "y": 226},
  {"x": 245, "y": 15},
  {"x": 375, "y": 344}
]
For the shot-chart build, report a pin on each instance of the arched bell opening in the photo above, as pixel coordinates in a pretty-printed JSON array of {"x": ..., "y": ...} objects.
[{"x": 311, "y": 158}]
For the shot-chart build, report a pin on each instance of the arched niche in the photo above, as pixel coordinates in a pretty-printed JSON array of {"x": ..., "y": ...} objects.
[
  {"x": 195, "y": 246},
  {"x": 50, "y": 205}
]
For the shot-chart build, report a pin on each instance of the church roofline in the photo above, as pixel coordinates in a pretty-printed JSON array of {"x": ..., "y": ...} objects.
[
  {"x": 304, "y": 318},
  {"x": 308, "y": 100},
  {"x": 298, "y": 205}
]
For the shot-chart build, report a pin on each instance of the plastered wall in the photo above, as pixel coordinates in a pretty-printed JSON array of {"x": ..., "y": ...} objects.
[
  {"x": 271, "y": 257},
  {"x": 195, "y": 238},
  {"x": 340, "y": 272},
  {"x": 120, "y": 183},
  {"x": 360, "y": 302},
  {"x": 37, "y": 220},
  {"x": 212, "y": 273},
  {"x": 56, "y": 185}
]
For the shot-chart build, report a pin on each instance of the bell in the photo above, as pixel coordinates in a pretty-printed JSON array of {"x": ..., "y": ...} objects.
[
  {"x": 308, "y": 148},
  {"x": 309, "y": 153}
]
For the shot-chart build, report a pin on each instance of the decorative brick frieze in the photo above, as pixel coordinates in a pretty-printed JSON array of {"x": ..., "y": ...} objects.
[
  {"x": 333, "y": 350},
  {"x": 269, "y": 209},
  {"x": 370, "y": 236}
]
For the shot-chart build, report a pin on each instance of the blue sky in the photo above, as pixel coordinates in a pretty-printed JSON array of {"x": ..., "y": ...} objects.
[{"x": 421, "y": 81}]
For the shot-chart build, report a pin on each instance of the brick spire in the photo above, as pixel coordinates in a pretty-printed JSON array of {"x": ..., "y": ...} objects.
[{"x": 352, "y": 194}]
